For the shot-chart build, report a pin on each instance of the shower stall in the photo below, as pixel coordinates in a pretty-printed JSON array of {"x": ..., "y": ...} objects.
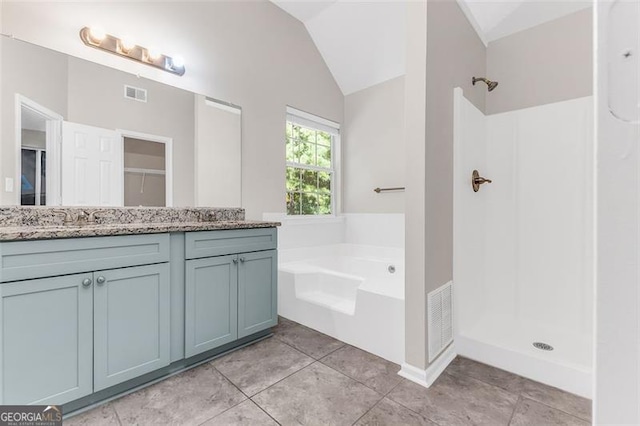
[{"x": 523, "y": 243}]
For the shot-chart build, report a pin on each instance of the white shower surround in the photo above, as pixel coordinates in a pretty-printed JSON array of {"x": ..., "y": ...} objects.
[
  {"x": 333, "y": 276},
  {"x": 523, "y": 262}
]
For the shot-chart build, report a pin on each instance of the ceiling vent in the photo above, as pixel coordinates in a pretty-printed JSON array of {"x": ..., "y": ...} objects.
[{"x": 135, "y": 93}]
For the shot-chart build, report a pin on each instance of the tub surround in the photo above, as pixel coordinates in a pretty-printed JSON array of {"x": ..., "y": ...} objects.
[{"x": 35, "y": 223}]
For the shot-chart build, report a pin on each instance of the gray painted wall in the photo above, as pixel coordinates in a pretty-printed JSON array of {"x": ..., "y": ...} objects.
[
  {"x": 548, "y": 63},
  {"x": 455, "y": 54},
  {"x": 415, "y": 119},
  {"x": 88, "y": 93},
  {"x": 373, "y": 148},
  {"x": 250, "y": 53},
  {"x": 36, "y": 75},
  {"x": 96, "y": 98}
]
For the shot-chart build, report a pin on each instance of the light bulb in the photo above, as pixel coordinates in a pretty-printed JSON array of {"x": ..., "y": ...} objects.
[
  {"x": 96, "y": 34},
  {"x": 126, "y": 44},
  {"x": 177, "y": 61},
  {"x": 153, "y": 54}
]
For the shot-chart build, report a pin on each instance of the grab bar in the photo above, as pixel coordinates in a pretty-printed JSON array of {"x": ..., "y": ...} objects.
[{"x": 379, "y": 190}]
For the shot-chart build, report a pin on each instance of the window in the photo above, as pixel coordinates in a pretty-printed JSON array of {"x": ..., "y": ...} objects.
[{"x": 311, "y": 157}]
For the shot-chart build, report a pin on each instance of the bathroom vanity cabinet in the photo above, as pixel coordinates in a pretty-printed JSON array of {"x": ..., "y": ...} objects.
[
  {"x": 229, "y": 295},
  {"x": 87, "y": 318}
]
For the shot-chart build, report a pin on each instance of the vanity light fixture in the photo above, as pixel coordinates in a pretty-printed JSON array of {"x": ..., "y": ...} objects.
[
  {"x": 125, "y": 47},
  {"x": 96, "y": 34}
]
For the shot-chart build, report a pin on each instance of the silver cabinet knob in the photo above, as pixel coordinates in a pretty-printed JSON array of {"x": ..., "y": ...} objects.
[
  {"x": 242, "y": 259},
  {"x": 87, "y": 282},
  {"x": 101, "y": 280},
  {"x": 235, "y": 261}
]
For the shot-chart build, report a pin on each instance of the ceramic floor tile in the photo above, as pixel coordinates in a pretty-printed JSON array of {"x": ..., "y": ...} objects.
[
  {"x": 457, "y": 400},
  {"x": 245, "y": 413},
  {"x": 189, "y": 398},
  {"x": 486, "y": 373},
  {"x": 532, "y": 413},
  {"x": 317, "y": 395},
  {"x": 258, "y": 366},
  {"x": 104, "y": 415},
  {"x": 377, "y": 373},
  {"x": 556, "y": 398},
  {"x": 387, "y": 412},
  {"x": 306, "y": 340},
  {"x": 283, "y": 323}
]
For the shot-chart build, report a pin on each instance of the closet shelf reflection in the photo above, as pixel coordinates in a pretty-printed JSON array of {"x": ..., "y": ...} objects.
[{"x": 144, "y": 171}]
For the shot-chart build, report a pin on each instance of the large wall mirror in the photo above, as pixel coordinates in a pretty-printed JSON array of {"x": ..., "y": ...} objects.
[{"x": 78, "y": 133}]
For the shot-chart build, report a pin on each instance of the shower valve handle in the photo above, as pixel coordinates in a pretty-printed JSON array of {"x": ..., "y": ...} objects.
[
  {"x": 482, "y": 180},
  {"x": 477, "y": 180}
]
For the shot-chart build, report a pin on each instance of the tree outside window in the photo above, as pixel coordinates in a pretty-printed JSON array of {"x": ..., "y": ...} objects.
[{"x": 309, "y": 170}]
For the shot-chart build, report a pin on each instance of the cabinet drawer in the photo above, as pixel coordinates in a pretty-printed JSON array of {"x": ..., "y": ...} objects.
[
  {"x": 219, "y": 243},
  {"x": 20, "y": 260}
]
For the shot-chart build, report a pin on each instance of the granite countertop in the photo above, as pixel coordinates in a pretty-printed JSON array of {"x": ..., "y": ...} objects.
[
  {"x": 19, "y": 223},
  {"x": 51, "y": 232}
]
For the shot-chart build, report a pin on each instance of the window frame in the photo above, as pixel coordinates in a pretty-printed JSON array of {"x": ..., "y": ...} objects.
[{"x": 311, "y": 121}]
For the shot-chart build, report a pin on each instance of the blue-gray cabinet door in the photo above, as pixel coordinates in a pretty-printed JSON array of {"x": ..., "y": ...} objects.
[
  {"x": 257, "y": 292},
  {"x": 47, "y": 340},
  {"x": 131, "y": 323},
  {"x": 211, "y": 303}
]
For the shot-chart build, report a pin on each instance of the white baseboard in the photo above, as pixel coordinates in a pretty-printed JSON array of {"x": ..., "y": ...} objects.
[{"x": 434, "y": 370}]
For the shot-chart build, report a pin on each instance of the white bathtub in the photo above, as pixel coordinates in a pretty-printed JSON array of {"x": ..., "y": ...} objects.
[{"x": 347, "y": 291}]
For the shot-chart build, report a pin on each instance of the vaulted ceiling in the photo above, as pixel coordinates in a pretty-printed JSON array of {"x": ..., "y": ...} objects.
[
  {"x": 363, "y": 42},
  {"x": 496, "y": 19}
]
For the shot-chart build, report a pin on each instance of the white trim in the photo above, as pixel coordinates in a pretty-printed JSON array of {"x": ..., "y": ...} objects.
[
  {"x": 53, "y": 139},
  {"x": 427, "y": 377},
  {"x": 336, "y": 179},
  {"x": 38, "y": 192},
  {"x": 54, "y": 162},
  {"x": 308, "y": 167},
  {"x": 313, "y": 119},
  {"x": 223, "y": 106},
  {"x": 472, "y": 20},
  {"x": 168, "y": 159}
]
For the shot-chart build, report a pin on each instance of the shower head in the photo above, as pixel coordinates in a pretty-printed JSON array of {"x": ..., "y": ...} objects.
[{"x": 490, "y": 84}]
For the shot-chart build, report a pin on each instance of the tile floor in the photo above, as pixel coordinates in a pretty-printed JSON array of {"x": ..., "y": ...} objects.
[{"x": 304, "y": 377}]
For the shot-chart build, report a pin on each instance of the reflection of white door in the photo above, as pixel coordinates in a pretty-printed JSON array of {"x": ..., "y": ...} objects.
[{"x": 91, "y": 166}]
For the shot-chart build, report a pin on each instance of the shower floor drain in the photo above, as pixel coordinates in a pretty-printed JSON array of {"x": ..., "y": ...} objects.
[{"x": 542, "y": 346}]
